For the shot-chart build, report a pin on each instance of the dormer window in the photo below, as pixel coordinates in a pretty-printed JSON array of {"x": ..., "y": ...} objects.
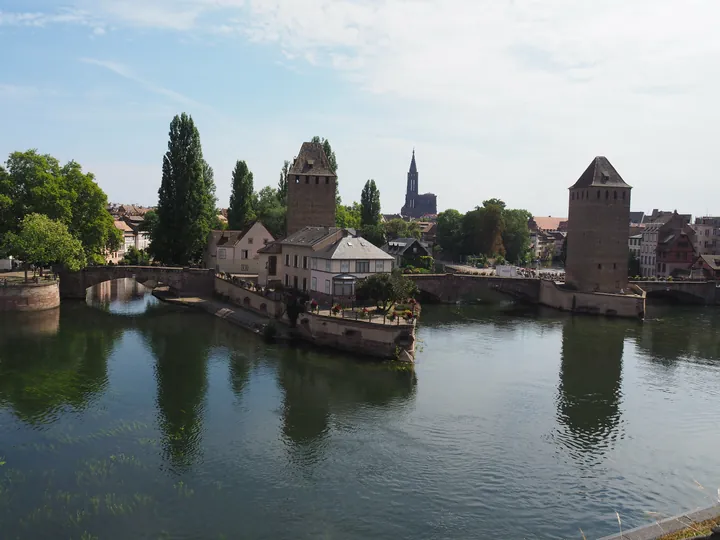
[{"x": 297, "y": 179}]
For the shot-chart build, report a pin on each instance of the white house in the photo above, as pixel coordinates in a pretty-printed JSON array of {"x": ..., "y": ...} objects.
[
  {"x": 236, "y": 252},
  {"x": 335, "y": 270}
]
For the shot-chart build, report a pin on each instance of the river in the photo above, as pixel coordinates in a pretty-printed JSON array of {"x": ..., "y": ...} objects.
[{"x": 127, "y": 418}]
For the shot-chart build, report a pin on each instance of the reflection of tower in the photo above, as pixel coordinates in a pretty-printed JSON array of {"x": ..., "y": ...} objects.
[
  {"x": 181, "y": 373},
  {"x": 589, "y": 393}
]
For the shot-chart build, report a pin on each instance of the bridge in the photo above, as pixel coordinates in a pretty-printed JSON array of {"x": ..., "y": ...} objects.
[
  {"x": 684, "y": 292},
  {"x": 452, "y": 288},
  {"x": 187, "y": 281}
]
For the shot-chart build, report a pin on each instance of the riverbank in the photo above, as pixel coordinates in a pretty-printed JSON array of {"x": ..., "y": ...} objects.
[{"x": 698, "y": 524}]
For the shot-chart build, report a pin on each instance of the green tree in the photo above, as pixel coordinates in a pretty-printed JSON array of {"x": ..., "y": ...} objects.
[
  {"x": 90, "y": 223},
  {"x": 450, "y": 233},
  {"x": 375, "y": 234},
  {"x": 370, "y": 204},
  {"x": 270, "y": 211},
  {"x": 386, "y": 289},
  {"x": 186, "y": 202},
  {"x": 283, "y": 183},
  {"x": 516, "y": 236},
  {"x": 563, "y": 255},
  {"x": 36, "y": 183},
  {"x": 136, "y": 257},
  {"x": 348, "y": 216},
  {"x": 42, "y": 241},
  {"x": 399, "y": 228},
  {"x": 241, "y": 212},
  {"x": 483, "y": 228}
]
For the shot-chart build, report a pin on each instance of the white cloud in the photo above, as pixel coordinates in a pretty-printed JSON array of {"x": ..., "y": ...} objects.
[
  {"x": 528, "y": 87},
  {"x": 127, "y": 73}
]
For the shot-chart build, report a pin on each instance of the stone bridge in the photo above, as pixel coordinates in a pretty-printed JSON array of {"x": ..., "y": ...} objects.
[
  {"x": 685, "y": 292},
  {"x": 187, "y": 281},
  {"x": 452, "y": 288}
]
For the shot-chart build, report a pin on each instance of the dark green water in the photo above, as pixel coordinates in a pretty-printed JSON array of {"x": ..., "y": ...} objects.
[{"x": 132, "y": 420}]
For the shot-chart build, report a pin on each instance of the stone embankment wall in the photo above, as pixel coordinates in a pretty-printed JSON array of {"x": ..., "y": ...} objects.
[
  {"x": 618, "y": 305},
  {"x": 385, "y": 341},
  {"x": 669, "y": 526},
  {"x": 29, "y": 296},
  {"x": 247, "y": 299}
]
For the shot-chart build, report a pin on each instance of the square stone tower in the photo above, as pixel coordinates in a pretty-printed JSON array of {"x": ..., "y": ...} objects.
[
  {"x": 311, "y": 190},
  {"x": 598, "y": 225}
]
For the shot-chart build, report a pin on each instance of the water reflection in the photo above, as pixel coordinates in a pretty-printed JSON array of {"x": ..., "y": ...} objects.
[
  {"x": 120, "y": 296},
  {"x": 317, "y": 387},
  {"x": 181, "y": 357},
  {"x": 589, "y": 392},
  {"x": 63, "y": 364}
]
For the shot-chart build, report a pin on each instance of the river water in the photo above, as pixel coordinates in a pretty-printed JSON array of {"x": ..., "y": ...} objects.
[{"x": 130, "y": 419}]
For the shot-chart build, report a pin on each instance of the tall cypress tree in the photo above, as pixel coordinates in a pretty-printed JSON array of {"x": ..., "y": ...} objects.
[
  {"x": 370, "y": 204},
  {"x": 186, "y": 200},
  {"x": 241, "y": 211}
]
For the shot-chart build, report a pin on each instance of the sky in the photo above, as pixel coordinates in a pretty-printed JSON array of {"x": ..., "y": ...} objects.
[{"x": 508, "y": 99}]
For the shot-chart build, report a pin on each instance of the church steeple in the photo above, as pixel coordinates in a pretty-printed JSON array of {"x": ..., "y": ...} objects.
[{"x": 413, "y": 167}]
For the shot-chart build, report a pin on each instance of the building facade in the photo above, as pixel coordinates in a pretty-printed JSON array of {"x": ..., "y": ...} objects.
[
  {"x": 417, "y": 205},
  {"x": 236, "y": 252},
  {"x": 311, "y": 190},
  {"x": 597, "y": 235},
  {"x": 675, "y": 248},
  {"x": 707, "y": 235}
]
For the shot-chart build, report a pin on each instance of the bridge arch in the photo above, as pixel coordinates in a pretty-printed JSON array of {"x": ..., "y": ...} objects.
[{"x": 181, "y": 280}]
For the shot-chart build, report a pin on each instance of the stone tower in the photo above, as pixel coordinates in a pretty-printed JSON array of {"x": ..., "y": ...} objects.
[
  {"x": 597, "y": 236},
  {"x": 311, "y": 190},
  {"x": 417, "y": 205}
]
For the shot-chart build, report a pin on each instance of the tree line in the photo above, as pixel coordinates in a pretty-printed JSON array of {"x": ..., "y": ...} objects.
[
  {"x": 490, "y": 230},
  {"x": 53, "y": 213}
]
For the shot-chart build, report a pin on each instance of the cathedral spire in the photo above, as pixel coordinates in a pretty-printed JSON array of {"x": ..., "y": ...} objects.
[{"x": 413, "y": 166}]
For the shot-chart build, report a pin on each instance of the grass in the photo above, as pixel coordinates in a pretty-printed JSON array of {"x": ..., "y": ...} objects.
[{"x": 700, "y": 529}]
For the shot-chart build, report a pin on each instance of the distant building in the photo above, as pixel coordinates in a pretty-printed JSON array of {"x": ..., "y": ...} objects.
[
  {"x": 634, "y": 244},
  {"x": 637, "y": 218},
  {"x": 598, "y": 217},
  {"x": 706, "y": 267},
  {"x": 543, "y": 240},
  {"x": 133, "y": 236},
  {"x": 236, "y": 252},
  {"x": 676, "y": 247},
  {"x": 407, "y": 251},
  {"x": 428, "y": 233},
  {"x": 416, "y": 205},
  {"x": 651, "y": 237},
  {"x": 707, "y": 235},
  {"x": 311, "y": 190}
]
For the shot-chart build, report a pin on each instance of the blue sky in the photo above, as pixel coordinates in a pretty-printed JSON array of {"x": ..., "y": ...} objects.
[{"x": 503, "y": 98}]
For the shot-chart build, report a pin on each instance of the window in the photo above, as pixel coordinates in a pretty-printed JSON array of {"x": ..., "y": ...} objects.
[
  {"x": 345, "y": 266},
  {"x": 244, "y": 254},
  {"x": 607, "y": 195},
  {"x": 297, "y": 179},
  {"x": 379, "y": 266},
  {"x": 598, "y": 193},
  {"x": 615, "y": 195},
  {"x": 222, "y": 253},
  {"x": 313, "y": 263},
  {"x": 317, "y": 179},
  {"x": 304, "y": 284},
  {"x": 287, "y": 280},
  {"x": 614, "y": 266},
  {"x": 313, "y": 284},
  {"x": 295, "y": 282},
  {"x": 599, "y": 266},
  {"x": 305, "y": 262},
  {"x": 623, "y": 195},
  {"x": 265, "y": 241},
  {"x": 328, "y": 265},
  {"x": 250, "y": 241},
  {"x": 296, "y": 261},
  {"x": 307, "y": 179},
  {"x": 343, "y": 289},
  {"x": 327, "y": 179},
  {"x": 327, "y": 286},
  {"x": 287, "y": 259},
  {"x": 362, "y": 267}
]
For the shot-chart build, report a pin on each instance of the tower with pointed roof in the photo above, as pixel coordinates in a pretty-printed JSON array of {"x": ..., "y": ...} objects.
[
  {"x": 417, "y": 205},
  {"x": 311, "y": 190},
  {"x": 597, "y": 230}
]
